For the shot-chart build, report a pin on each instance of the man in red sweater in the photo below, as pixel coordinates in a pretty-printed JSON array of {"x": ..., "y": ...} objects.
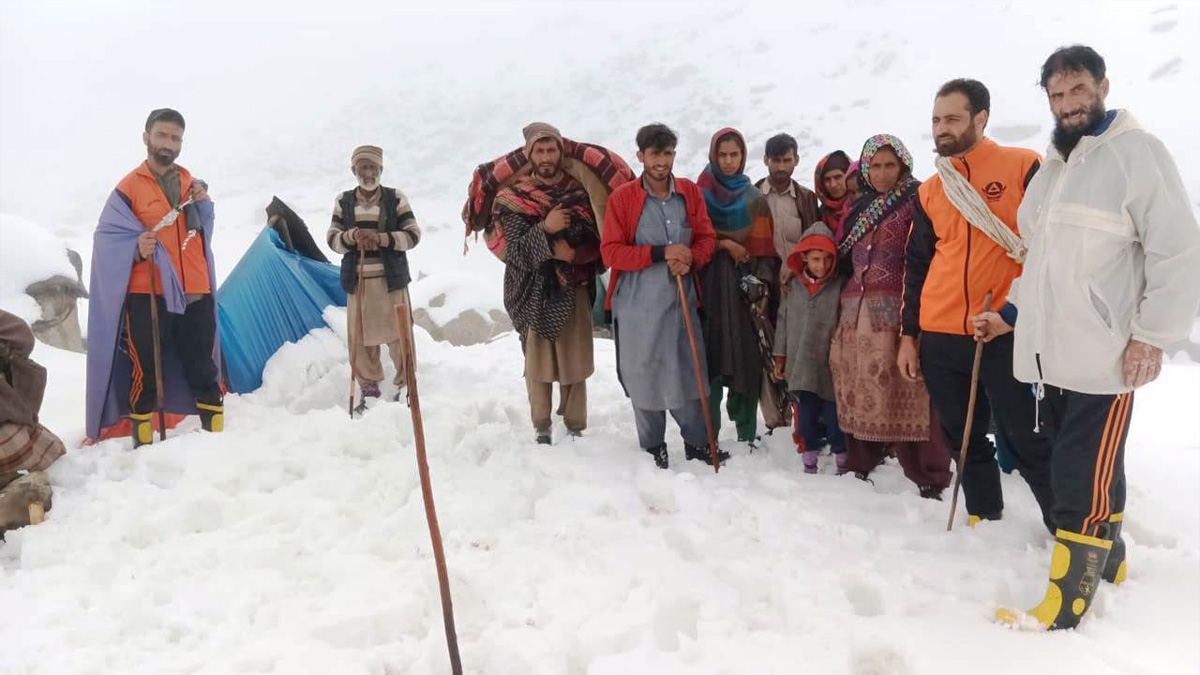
[{"x": 657, "y": 230}]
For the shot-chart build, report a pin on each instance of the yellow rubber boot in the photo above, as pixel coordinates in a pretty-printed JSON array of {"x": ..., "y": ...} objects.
[
  {"x": 212, "y": 417},
  {"x": 1075, "y": 568},
  {"x": 141, "y": 428},
  {"x": 1114, "y": 569}
]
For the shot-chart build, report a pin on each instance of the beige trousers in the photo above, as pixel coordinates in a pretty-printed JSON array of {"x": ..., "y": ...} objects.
[
  {"x": 379, "y": 327},
  {"x": 569, "y": 361}
]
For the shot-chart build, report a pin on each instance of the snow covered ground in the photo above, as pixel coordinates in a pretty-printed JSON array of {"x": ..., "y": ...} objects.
[{"x": 296, "y": 541}]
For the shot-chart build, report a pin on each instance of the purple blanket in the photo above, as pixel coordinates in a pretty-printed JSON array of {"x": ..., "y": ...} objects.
[{"x": 109, "y": 369}]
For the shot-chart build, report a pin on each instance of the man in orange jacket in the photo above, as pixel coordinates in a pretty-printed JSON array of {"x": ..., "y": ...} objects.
[
  {"x": 962, "y": 246},
  {"x": 152, "y": 190}
]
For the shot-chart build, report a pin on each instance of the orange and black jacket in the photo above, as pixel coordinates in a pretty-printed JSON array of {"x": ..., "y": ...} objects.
[
  {"x": 950, "y": 265},
  {"x": 146, "y": 199}
]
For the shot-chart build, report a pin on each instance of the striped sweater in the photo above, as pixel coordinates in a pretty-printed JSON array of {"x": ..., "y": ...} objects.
[{"x": 367, "y": 214}]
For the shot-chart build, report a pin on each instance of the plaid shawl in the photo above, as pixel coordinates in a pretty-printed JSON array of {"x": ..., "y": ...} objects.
[
  {"x": 732, "y": 201},
  {"x": 488, "y": 177},
  {"x": 536, "y": 287}
]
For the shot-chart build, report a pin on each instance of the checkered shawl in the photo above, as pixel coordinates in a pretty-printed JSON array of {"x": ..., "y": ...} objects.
[
  {"x": 488, "y": 178},
  {"x": 537, "y": 287}
]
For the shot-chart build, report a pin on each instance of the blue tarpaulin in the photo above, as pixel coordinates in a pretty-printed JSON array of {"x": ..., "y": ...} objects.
[{"x": 273, "y": 296}]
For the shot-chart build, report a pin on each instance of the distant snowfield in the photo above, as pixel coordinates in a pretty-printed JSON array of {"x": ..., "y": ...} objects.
[{"x": 296, "y": 543}]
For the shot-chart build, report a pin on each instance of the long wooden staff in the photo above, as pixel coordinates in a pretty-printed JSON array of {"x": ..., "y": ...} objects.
[
  {"x": 691, "y": 332},
  {"x": 404, "y": 320},
  {"x": 962, "y": 453},
  {"x": 156, "y": 339},
  {"x": 358, "y": 322}
]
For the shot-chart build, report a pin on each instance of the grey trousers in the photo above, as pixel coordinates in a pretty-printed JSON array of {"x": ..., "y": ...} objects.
[{"x": 652, "y": 425}]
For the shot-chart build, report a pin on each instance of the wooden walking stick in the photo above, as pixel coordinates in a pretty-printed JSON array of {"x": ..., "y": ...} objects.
[
  {"x": 962, "y": 453},
  {"x": 156, "y": 347},
  {"x": 404, "y": 320},
  {"x": 691, "y": 331},
  {"x": 357, "y": 319},
  {"x": 168, "y": 219}
]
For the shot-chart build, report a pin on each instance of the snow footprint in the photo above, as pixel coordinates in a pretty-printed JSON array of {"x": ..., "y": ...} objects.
[
  {"x": 864, "y": 597},
  {"x": 879, "y": 660}
]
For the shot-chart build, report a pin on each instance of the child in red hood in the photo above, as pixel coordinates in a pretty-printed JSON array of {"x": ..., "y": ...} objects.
[{"x": 804, "y": 327}]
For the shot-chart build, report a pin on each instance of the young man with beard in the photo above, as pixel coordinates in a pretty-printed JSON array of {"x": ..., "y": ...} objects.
[
  {"x": 793, "y": 207},
  {"x": 126, "y": 297},
  {"x": 1110, "y": 280},
  {"x": 373, "y": 227},
  {"x": 962, "y": 247},
  {"x": 657, "y": 231},
  {"x": 552, "y": 252}
]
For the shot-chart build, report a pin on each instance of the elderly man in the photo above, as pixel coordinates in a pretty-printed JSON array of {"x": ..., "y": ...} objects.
[
  {"x": 552, "y": 255},
  {"x": 1110, "y": 280},
  {"x": 373, "y": 228}
]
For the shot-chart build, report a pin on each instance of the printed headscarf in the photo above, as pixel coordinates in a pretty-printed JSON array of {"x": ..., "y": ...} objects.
[{"x": 873, "y": 206}]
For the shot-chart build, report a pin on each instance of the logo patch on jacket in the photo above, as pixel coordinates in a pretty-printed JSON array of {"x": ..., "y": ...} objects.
[{"x": 994, "y": 191}]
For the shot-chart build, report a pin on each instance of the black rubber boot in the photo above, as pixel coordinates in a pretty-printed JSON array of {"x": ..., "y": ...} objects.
[
  {"x": 212, "y": 417},
  {"x": 141, "y": 427},
  {"x": 1075, "y": 569},
  {"x": 1114, "y": 569}
]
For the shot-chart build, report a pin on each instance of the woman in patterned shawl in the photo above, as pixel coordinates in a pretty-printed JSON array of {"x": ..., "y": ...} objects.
[
  {"x": 745, "y": 245},
  {"x": 877, "y": 407}
]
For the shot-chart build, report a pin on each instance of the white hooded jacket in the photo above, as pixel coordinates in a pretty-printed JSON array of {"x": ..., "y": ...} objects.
[{"x": 1114, "y": 254}]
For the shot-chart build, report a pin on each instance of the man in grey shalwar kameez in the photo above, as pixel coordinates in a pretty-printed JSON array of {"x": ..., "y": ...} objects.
[{"x": 656, "y": 230}]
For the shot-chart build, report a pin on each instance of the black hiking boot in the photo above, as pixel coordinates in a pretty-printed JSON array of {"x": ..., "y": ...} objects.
[
  {"x": 930, "y": 492},
  {"x": 661, "y": 460},
  {"x": 543, "y": 438},
  {"x": 704, "y": 454}
]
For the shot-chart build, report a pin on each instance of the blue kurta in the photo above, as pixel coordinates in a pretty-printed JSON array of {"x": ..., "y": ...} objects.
[{"x": 654, "y": 358}]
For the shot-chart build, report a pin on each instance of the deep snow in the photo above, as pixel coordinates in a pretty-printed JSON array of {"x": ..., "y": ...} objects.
[{"x": 296, "y": 543}]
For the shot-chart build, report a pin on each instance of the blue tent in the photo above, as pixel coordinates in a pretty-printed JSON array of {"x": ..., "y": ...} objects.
[{"x": 276, "y": 294}]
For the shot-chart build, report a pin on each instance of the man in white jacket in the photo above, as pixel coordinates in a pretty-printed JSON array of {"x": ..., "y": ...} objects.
[{"x": 1112, "y": 278}]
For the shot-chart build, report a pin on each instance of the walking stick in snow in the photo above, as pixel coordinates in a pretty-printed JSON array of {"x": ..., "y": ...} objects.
[
  {"x": 156, "y": 339},
  {"x": 404, "y": 319},
  {"x": 691, "y": 331},
  {"x": 357, "y": 319},
  {"x": 962, "y": 453},
  {"x": 156, "y": 347}
]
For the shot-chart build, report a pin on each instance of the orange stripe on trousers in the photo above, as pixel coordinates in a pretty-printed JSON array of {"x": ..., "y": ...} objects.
[{"x": 1113, "y": 431}]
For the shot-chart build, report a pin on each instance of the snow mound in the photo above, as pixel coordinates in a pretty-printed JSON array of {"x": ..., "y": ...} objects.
[{"x": 28, "y": 253}]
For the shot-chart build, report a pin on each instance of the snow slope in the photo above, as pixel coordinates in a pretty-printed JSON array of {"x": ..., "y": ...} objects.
[{"x": 296, "y": 543}]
